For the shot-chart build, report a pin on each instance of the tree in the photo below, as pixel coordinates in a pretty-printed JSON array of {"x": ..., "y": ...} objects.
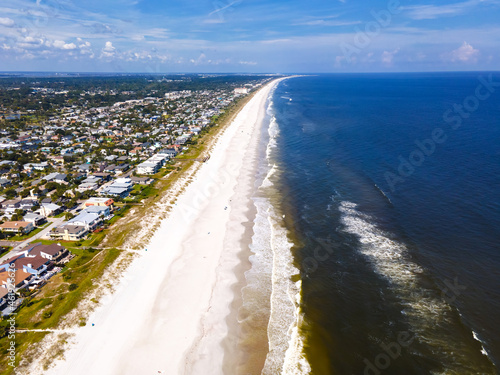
[
  {"x": 24, "y": 193},
  {"x": 10, "y": 193},
  {"x": 16, "y": 217}
]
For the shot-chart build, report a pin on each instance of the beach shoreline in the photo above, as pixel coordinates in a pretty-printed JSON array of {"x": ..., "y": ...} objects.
[{"x": 175, "y": 306}]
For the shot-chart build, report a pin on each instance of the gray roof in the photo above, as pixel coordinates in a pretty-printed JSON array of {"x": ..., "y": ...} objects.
[
  {"x": 85, "y": 217},
  {"x": 51, "y": 206}
]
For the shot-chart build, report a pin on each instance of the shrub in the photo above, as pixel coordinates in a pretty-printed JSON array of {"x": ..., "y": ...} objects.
[{"x": 72, "y": 287}]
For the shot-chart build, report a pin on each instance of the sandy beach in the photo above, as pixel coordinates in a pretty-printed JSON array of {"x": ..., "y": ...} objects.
[{"x": 170, "y": 312}]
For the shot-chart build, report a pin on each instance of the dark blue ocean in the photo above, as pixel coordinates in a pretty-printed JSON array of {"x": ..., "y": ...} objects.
[{"x": 390, "y": 186}]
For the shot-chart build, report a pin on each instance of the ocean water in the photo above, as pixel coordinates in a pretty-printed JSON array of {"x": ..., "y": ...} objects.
[{"x": 377, "y": 237}]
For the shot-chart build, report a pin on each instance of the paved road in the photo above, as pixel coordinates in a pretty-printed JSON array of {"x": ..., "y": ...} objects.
[
  {"x": 7, "y": 243},
  {"x": 54, "y": 222}
]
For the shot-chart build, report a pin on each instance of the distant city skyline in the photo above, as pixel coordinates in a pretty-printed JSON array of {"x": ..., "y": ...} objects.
[{"x": 151, "y": 36}]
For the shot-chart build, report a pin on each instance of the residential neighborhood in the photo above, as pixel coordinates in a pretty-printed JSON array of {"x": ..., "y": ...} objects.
[
  {"x": 29, "y": 270},
  {"x": 74, "y": 155}
]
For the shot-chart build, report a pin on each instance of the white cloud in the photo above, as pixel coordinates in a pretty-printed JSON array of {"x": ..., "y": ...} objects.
[
  {"x": 6, "y": 22},
  {"x": 427, "y": 12},
  {"x": 108, "y": 50},
  {"x": 61, "y": 44},
  {"x": 465, "y": 53},
  {"x": 388, "y": 57},
  {"x": 200, "y": 60},
  {"x": 85, "y": 48},
  {"x": 29, "y": 42},
  {"x": 248, "y": 63}
]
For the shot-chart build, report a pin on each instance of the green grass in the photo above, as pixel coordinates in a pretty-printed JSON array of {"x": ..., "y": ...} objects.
[
  {"x": 46, "y": 309},
  {"x": 26, "y": 236},
  {"x": 94, "y": 240},
  {"x": 119, "y": 214},
  {"x": 5, "y": 250}
]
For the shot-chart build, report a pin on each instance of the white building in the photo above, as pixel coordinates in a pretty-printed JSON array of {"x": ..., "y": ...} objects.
[
  {"x": 148, "y": 167},
  {"x": 241, "y": 90}
]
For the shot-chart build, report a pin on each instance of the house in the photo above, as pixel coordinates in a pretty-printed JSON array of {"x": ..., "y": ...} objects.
[
  {"x": 92, "y": 180},
  {"x": 56, "y": 158},
  {"x": 35, "y": 265},
  {"x": 50, "y": 177},
  {"x": 111, "y": 157},
  {"x": 35, "y": 218},
  {"x": 4, "y": 172},
  {"x": 119, "y": 169},
  {"x": 11, "y": 205},
  {"x": 148, "y": 167},
  {"x": 60, "y": 178},
  {"x": 102, "y": 211},
  {"x": 105, "y": 177},
  {"x": 110, "y": 168},
  {"x": 241, "y": 90},
  {"x": 48, "y": 209},
  {"x": 106, "y": 202},
  {"x": 88, "y": 220},
  {"x": 87, "y": 186},
  {"x": 170, "y": 152},
  {"x": 141, "y": 180},
  {"x": 85, "y": 168},
  {"x": 136, "y": 151},
  {"x": 27, "y": 204},
  {"x": 36, "y": 166},
  {"x": 4, "y": 291},
  {"x": 115, "y": 192},
  {"x": 18, "y": 227},
  {"x": 50, "y": 252},
  {"x": 21, "y": 280},
  {"x": 125, "y": 182},
  {"x": 69, "y": 233}
]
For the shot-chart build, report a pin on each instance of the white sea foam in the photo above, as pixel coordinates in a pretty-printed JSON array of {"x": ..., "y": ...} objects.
[
  {"x": 483, "y": 350},
  {"x": 383, "y": 193},
  {"x": 274, "y": 132},
  {"x": 267, "y": 181},
  {"x": 390, "y": 259},
  {"x": 271, "y": 275}
]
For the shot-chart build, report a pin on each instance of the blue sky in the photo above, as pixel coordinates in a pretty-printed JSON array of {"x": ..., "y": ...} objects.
[{"x": 249, "y": 35}]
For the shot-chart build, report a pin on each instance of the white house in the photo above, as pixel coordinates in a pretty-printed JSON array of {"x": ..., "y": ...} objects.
[{"x": 88, "y": 220}]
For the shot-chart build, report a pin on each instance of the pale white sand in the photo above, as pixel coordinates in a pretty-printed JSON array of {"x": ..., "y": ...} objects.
[{"x": 169, "y": 311}]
